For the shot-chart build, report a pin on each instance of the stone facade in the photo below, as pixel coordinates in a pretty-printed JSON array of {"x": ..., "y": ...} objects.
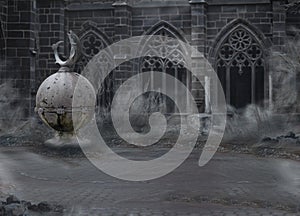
[
  {"x": 20, "y": 46},
  {"x": 30, "y": 27}
]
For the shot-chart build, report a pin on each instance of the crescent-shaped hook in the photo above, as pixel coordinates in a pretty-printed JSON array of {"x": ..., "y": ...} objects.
[{"x": 75, "y": 51}]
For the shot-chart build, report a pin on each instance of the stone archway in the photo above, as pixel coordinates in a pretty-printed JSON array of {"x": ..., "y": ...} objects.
[
  {"x": 94, "y": 42},
  {"x": 173, "y": 63},
  {"x": 241, "y": 66}
]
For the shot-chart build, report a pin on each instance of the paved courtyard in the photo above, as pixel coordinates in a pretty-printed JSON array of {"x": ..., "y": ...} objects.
[{"x": 231, "y": 184}]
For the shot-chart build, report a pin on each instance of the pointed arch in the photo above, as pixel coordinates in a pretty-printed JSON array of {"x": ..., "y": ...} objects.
[
  {"x": 174, "y": 32},
  {"x": 264, "y": 42},
  {"x": 239, "y": 56},
  {"x": 164, "y": 54},
  {"x": 90, "y": 26},
  {"x": 166, "y": 29},
  {"x": 94, "y": 42}
]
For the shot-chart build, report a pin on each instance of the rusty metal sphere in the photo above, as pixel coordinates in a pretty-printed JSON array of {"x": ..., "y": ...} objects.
[{"x": 54, "y": 101}]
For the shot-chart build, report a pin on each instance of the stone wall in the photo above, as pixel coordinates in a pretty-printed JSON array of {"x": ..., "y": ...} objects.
[
  {"x": 51, "y": 29},
  {"x": 20, "y": 45},
  {"x": 144, "y": 18},
  {"x": 101, "y": 14},
  {"x": 3, "y": 20},
  {"x": 32, "y": 26},
  {"x": 259, "y": 15}
]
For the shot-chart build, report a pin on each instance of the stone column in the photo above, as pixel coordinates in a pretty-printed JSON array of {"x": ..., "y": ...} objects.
[
  {"x": 198, "y": 40},
  {"x": 279, "y": 25},
  {"x": 123, "y": 30}
]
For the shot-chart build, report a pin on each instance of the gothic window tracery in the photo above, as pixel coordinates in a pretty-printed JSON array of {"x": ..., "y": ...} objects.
[
  {"x": 93, "y": 44},
  {"x": 241, "y": 66},
  {"x": 171, "y": 61}
]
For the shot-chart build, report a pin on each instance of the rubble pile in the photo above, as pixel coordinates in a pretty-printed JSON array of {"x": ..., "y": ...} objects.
[
  {"x": 16, "y": 207},
  {"x": 285, "y": 146}
]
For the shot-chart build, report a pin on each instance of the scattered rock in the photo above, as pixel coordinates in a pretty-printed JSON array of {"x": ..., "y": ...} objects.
[
  {"x": 14, "y": 207},
  {"x": 269, "y": 139},
  {"x": 33, "y": 208},
  {"x": 44, "y": 207},
  {"x": 12, "y": 199},
  {"x": 291, "y": 135}
]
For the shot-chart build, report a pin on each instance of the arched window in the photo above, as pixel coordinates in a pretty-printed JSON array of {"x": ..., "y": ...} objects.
[
  {"x": 163, "y": 54},
  {"x": 94, "y": 42},
  {"x": 241, "y": 68}
]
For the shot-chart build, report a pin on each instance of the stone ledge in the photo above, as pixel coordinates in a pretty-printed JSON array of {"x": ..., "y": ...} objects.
[
  {"x": 237, "y": 2},
  {"x": 156, "y": 3},
  {"x": 89, "y": 6}
]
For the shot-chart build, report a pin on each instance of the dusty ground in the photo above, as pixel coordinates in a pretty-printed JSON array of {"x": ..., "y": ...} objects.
[
  {"x": 231, "y": 184},
  {"x": 246, "y": 177}
]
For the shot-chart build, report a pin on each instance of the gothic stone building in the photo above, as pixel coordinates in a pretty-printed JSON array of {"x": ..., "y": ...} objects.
[{"x": 236, "y": 36}]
